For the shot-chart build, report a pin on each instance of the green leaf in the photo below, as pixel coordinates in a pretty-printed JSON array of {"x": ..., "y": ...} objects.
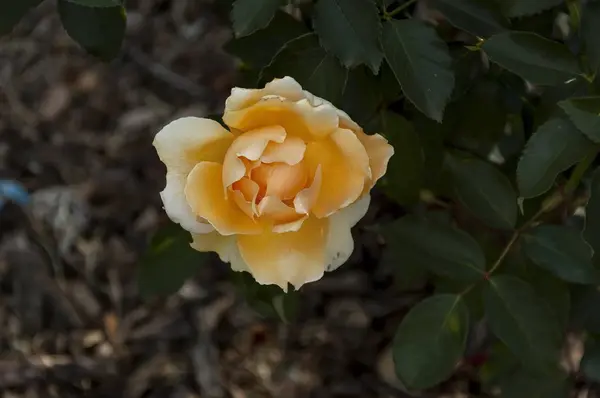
[
  {"x": 590, "y": 32},
  {"x": 420, "y": 62},
  {"x": 248, "y": 16},
  {"x": 478, "y": 17},
  {"x": 258, "y": 49},
  {"x": 318, "y": 72},
  {"x": 555, "y": 293},
  {"x": 484, "y": 191},
  {"x": 591, "y": 233},
  {"x": 168, "y": 262},
  {"x": 442, "y": 248},
  {"x": 99, "y": 31},
  {"x": 584, "y": 112},
  {"x": 584, "y": 313},
  {"x": 533, "y": 57},
  {"x": 350, "y": 30},
  {"x": 11, "y": 12},
  {"x": 553, "y": 148},
  {"x": 408, "y": 275},
  {"x": 404, "y": 176},
  {"x": 520, "y": 8},
  {"x": 362, "y": 96},
  {"x": 590, "y": 363},
  {"x": 523, "y": 384},
  {"x": 430, "y": 341},
  {"x": 521, "y": 320},
  {"x": 562, "y": 251},
  {"x": 98, "y": 3}
]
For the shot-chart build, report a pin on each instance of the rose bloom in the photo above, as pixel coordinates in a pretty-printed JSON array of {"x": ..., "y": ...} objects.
[{"x": 278, "y": 193}]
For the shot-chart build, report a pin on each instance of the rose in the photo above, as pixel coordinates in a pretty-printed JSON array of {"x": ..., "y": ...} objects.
[{"x": 278, "y": 194}]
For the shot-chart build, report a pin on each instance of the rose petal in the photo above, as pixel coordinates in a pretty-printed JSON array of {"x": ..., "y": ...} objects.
[
  {"x": 290, "y": 151},
  {"x": 187, "y": 141},
  {"x": 225, "y": 246},
  {"x": 379, "y": 152},
  {"x": 342, "y": 182},
  {"x": 177, "y": 208},
  {"x": 285, "y": 87},
  {"x": 294, "y": 257},
  {"x": 306, "y": 198},
  {"x": 283, "y": 217},
  {"x": 204, "y": 193},
  {"x": 353, "y": 149},
  {"x": 340, "y": 243},
  {"x": 251, "y": 146}
]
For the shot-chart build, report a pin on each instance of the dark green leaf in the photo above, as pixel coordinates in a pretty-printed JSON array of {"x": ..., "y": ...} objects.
[
  {"x": 552, "y": 149},
  {"x": 430, "y": 341},
  {"x": 562, "y": 251},
  {"x": 319, "y": 72},
  {"x": 408, "y": 275},
  {"x": 554, "y": 292},
  {"x": 478, "y": 17},
  {"x": 11, "y": 12},
  {"x": 248, "y": 16},
  {"x": 168, "y": 262},
  {"x": 521, "y": 320},
  {"x": 533, "y": 57},
  {"x": 404, "y": 176},
  {"x": 350, "y": 30},
  {"x": 362, "y": 96},
  {"x": 99, "y": 30},
  {"x": 523, "y": 384},
  {"x": 97, "y": 3},
  {"x": 591, "y": 233},
  {"x": 584, "y": 112},
  {"x": 258, "y": 49},
  {"x": 590, "y": 32},
  {"x": 519, "y": 8},
  {"x": 585, "y": 314},
  {"x": 500, "y": 364},
  {"x": 590, "y": 363},
  {"x": 421, "y": 64},
  {"x": 441, "y": 248},
  {"x": 484, "y": 191}
]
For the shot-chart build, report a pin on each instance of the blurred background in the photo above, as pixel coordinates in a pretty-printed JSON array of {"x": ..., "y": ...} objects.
[{"x": 77, "y": 134}]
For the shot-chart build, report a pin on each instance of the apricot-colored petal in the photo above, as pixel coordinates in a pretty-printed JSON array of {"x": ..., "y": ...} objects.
[
  {"x": 278, "y": 258},
  {"x": 353, "y": 149},
  {"x": 250, "y": 145},
  {"x": 306, "y": 198},
  {"x": 340, "y": 243},
  {"x": 379, "y": 152},
  {"x": 177, "y": 208},
  {"x": 285, "y": 87},
  {"x": 342, "y": 182},
  {"x": 280, "y": 179},
  {"x": 204, "y": 193},
  {"x": 280, "y": 216},
  {"x": 299, "y": 119},
  {"x": 187, "y": 141},
  {"x": 225, "y": 246},
  {"x": 244, "y": 194},
  {"x": 290, "y": 151}
]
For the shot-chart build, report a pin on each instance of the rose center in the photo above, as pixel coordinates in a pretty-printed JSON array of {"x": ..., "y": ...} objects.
[{"x": 279, "y": 179}]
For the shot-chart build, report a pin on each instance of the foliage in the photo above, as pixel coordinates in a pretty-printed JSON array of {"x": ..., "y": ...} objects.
[{"x": 493, "y": 108}]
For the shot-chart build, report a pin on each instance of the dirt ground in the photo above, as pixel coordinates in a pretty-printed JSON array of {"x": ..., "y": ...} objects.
[{"x": 77, "y": 133}]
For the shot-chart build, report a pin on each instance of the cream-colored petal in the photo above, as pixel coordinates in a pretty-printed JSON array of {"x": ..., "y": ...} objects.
[
  {"x": 251, "y": 146},
  {"x": 353, "y": 149},
  {"x": 340, "y": 243},
  {"x": 306, "y": 198},
  {"x": 290, "y": 151},
  {"x": 295, "y": 257},
  {"x": 204, "y": 193},
  {"x": 225, "y": 246},
  {"x": 299, "y": 119},
  {"x": 342, "y": 182},
  {"x": 177, "y": 208},
  {"x": 187, "y": 141},
  {"x": 379, "y": 152}
]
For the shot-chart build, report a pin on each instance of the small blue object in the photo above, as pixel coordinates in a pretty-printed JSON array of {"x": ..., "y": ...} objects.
[{"x": 13, "y": 191}]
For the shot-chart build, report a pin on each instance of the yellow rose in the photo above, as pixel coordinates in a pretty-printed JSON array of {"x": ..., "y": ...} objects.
[{"x": 277, "y": 194}]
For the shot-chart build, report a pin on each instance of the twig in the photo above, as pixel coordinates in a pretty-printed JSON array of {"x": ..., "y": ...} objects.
[{"x": 400, "y": 8}]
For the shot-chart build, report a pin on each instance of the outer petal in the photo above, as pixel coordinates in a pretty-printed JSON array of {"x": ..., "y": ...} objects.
[
  {"x": 285, "y": 87},
  {"x": 177, "y": 208},
  {"x": 343, "y": 181},
  {"x": 251, "y": 146},
  {"x": 187, "y": 141},
  {"x": 379, "y": 152},
  {"x": 340, "y": 243},
  {"x": 353, "y": 149},
  {"x": 204, "y": 193},
  {"x": 295, "y": 257},
  {"x": 225, "y": 246}
]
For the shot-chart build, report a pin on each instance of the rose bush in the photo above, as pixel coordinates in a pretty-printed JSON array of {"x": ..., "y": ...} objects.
[{"x": 277, "y": 194}]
